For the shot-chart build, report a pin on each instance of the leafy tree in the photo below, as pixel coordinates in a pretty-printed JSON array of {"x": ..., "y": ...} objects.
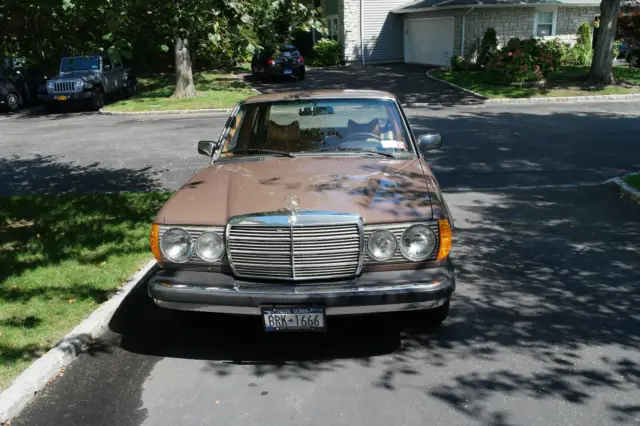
[{"x": 601, "y": 71}]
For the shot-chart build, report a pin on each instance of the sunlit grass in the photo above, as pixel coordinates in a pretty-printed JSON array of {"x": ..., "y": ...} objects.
[
  {"x": 213, "y": 91},
  {"x": 568, "y": 81},
  {"x": 61, "y": 257}
]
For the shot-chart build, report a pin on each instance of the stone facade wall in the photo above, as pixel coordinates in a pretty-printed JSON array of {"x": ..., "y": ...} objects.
[
  {"x": 570, "y": 18},
  {"x": 350, "y": 29},
  {"x": 508, "y": 22}
]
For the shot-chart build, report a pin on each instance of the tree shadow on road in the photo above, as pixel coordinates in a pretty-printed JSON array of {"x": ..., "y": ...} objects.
[
  {"x": 543, "y": 276},
  {"x": 409, "y": 82}
]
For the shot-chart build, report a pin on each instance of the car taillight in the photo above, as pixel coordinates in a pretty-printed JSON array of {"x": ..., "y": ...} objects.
[
  {"x": 271, "y": 62},
  {"x": 300, "y": 59}
]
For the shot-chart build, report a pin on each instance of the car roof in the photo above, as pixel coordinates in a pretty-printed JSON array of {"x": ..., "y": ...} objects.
[{"x": 320, "y": 94}]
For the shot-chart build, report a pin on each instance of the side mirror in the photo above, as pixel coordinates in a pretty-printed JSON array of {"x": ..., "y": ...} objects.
[
  {"x": 207, "y": 147},
  {"x": 429, "y": 142}
]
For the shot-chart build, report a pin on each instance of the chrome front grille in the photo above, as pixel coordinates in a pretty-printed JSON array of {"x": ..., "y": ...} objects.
[
  {"x": 397, "y": 229},
  {"x": 195, "y": 232},
  {"x": 304, "y": 250},
  {"x": 64, "y": 86}
]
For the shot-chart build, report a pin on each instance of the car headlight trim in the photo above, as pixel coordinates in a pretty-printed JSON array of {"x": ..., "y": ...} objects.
[
  {"x": 382, "y": 245},
  {"x": 418, "y": 242},
  {"x": 210, "y": 246},
  {"x": 177, "y": 245},
  {"x": 79, "y": 83}
]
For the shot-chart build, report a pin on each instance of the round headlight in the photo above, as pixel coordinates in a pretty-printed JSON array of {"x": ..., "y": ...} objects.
[
  {"x": 210, "y": 246},
  {"x": 50, "y": 84},
  {"x": 382, "y": 244},
  {"x": 177, "y": 245},
  {"x": 417, "y": 242},
  {"x": 79, "y": 83}
]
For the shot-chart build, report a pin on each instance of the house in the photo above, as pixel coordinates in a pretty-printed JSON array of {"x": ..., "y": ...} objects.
[{"x": 432, "y": 31}]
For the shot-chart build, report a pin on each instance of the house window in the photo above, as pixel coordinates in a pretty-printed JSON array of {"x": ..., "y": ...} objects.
[
  {"x": 544, "y": 23},
  {"x": 332, "y": 27}
]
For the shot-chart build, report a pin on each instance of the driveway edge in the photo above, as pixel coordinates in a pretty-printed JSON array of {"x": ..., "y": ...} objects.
[
  {"x": 173, "y": 111},
  {"x": 547, "y": 100},
  {"x": 477, "y": 95},
  {"x": 27, "y": 385},
  {"x": 625, "y": 187}
]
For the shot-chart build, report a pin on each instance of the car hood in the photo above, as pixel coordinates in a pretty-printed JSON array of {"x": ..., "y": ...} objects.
[
  {"x": 74, "y": 75},
  {"x": 379, "y": 190}
]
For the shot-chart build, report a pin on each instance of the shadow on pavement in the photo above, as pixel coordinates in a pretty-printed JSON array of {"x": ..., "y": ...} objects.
[
  {"x": 408, "y": 82},
  {"x": 49, "y": 175},
  {"x": 542, "y": 277}
]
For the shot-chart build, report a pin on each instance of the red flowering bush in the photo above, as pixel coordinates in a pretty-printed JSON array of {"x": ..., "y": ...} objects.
[{"x": 522, "y": 61}]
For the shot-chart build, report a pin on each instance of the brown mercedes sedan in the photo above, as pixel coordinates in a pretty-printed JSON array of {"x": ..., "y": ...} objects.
[{"x": 315, "y": 204}]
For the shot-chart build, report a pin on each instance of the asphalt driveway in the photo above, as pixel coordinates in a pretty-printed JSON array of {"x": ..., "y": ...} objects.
[
  {"x": 408, "y": 82},
  {"x": 545, "y": 326}
]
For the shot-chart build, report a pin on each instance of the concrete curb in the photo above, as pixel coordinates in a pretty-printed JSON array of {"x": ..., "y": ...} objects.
[
  {"x": 248, "y": 85},
  {"x": 547, "y": 100},
  {"x": 170, "y": 112},
  {"x": 625, "y": 187},
  {"x": 27, "y": 385}
]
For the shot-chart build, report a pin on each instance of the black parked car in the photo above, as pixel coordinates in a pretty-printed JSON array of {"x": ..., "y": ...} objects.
[
  {"x": 278, "y": 60},
  {"x": 18, "y": 87}
]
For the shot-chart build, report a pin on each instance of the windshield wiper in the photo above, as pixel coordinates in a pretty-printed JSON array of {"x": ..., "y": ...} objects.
[
  {"x": 268, "y": 151},
  {"x": 367, "y": 151}
]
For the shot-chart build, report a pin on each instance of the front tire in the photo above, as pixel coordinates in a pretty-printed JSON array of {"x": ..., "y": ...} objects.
[
  {"x": 12, "y": 102},
  {"x": 97, "y": 100},
  {"x": 130, "y": 91}
]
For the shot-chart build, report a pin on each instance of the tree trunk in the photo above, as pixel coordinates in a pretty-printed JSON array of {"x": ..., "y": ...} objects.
[
  {"x": 601, "y": 71},
  {"x": 184, "y": 75}
]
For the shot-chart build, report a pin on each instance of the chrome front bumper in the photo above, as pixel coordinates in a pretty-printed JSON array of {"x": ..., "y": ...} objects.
[{"x": 372, "y": 292}]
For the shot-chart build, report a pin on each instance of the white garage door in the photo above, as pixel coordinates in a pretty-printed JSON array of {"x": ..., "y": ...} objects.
[{"x": 428, "y": 41}]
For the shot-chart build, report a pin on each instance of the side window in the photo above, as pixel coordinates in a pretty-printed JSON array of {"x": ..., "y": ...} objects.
[{"x": 106, "y": 61}]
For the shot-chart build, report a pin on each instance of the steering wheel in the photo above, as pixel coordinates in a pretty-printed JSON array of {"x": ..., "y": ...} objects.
[{"x": 347, "y": 139}]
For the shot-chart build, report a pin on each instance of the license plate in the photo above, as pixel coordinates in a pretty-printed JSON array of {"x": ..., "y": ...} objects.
[
  {"x": 307, "y": 318},
  {"x": 62, "y": 98},
  {"x": 287, "y": 70}
]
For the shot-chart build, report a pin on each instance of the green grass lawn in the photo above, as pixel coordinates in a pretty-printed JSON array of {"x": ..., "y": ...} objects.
[
  {"x": 633, "y": 180},
  {"x": 61, "y": 257},
  {"x": 213, "y": 91},
  {"x": 568, "y": 81}
]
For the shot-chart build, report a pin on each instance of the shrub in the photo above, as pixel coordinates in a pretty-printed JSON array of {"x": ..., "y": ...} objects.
[
  {"x": 616, "y": 48},
  {"x": 326, "y": 52},
  {"x": 457, "y": 63},
  {"x": 579, "y": 54},
  {"x": 525, "y": 61},
  {"x": 584, "y": 35},
  {"x": 488, "y": 47},
  {"x": 558, "y": 48}
]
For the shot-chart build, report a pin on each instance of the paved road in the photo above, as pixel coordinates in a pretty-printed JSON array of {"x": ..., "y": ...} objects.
[
  {"x": 485, "y": 147},
  {"x": 408, "y": 82},
  {"x": 545, "y": 328}
]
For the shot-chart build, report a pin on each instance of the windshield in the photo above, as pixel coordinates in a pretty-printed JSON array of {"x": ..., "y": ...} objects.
[
  {"x": 345, "y": 125},
  {"x": 80, "y": 63}
]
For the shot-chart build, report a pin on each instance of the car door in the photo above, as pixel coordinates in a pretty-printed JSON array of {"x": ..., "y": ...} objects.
[
  {"x": 107, "y": 74},
  {"x": 118, "y": 72}
]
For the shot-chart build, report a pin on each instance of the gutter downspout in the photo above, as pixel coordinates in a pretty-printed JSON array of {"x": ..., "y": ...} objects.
[
  {"x": 464, "y": 21},
  {"x": 362, "y": 31}
]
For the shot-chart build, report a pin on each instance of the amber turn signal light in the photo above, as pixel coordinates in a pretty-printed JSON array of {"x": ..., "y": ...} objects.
[
  {"x": 446, "y": 238},
  {"x": 154, "y": 241}
]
